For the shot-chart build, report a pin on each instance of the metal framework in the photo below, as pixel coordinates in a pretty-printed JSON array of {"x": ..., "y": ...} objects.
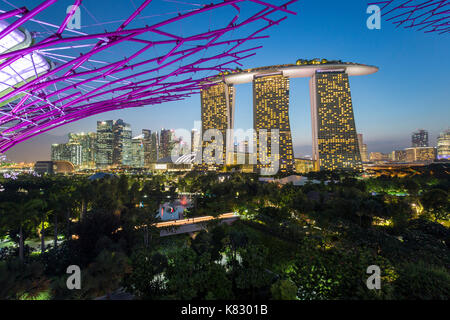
[
  {"x": 162, "y": 65},
  {"x": 427, "y": 16}
]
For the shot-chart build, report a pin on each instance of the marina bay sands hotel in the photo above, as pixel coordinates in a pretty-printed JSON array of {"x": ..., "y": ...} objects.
[{"x": 335, "y": 141}]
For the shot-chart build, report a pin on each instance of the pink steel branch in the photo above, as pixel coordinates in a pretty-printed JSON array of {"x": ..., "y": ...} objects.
[
  {"x": 72, "y": 91},
  {"x": 428, "y": 16}
]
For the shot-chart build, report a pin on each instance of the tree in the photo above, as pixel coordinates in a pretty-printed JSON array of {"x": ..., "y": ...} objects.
[
  {"x": 144, "y": 280},
  {"x": 420, "y": 281},
  {"x": 401, "y": 212},
  {"x": 21, "y": 280},
  {"x": 143, "y": 220},
  {"x": 105, "y": 273},
  {"x": 20, "y": 215},
  {"x": 253, "y": 274},
  {"x": 191, "y": 276},
  {"x": 284, "y": 289},
  {"x": 437, "y": 203}
]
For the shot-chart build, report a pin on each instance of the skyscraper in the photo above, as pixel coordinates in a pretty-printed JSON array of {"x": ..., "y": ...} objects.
[
  {"x": 217, "y": 112},
  {"x": 271, "y": 111},
  {"x": 71, "y": 152},
  {"x": 443, "y": 145},
  {"x": 166, "y": 143},
  {"x": 121, "y": 143},
  {"x": 146, "y": 140},
  {"x": 335, "y": 143},
  {"x": 362, "y": 148},
  {"x": 59, "y": 151},
  {"x": 419, "y": 139},
  {"x": 104, "y": 143},
  {"x": 138, "y": 151},
  {"x": 154, "y": 147},
  {"x": 87, "y": 142}
]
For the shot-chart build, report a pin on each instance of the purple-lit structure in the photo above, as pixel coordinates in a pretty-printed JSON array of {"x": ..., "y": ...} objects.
[
  {"x": 427, "y": 16},
  {"x": 165, "y": 63}
]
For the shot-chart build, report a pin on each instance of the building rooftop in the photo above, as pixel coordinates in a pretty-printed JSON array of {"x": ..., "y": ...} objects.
[{"x": 301, "y": 69}]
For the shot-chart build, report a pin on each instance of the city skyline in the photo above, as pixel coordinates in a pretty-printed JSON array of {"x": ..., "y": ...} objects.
[
  {"x": 389, "y": 106},
  {"x": 29, "y": 151},
  {"x": 98, "y": 150}
]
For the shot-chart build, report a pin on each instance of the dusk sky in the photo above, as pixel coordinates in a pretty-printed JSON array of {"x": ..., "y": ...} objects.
[{"x": 410, "y": 91}]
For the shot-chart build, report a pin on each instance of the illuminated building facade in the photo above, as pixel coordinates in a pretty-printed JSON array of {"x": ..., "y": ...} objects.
[
  {"x": 335, "y": 142},
  {"x": 399, "y": 156},
  {"x": 87, "y": 142},
  {"x": 271, "y": 111},
  {"x": 121, "y": 143},
  {"x": 138, "y": 152},
  {"x": 420, "y": 154},
  {"x": 71, "y": 152},
  {"x": 154, "y": 147},
  {"x": 304, "y": 165},
  {"x": 419, "y": 139},
  {"x": 378, "y": 156},
  {"x": 217, "y": 112},
  {"x": 165, "y": 143},
  {"x": 443, "y": 145},
  {"x": 105, "y": 140},
  {"x": 146, "y": 142}
]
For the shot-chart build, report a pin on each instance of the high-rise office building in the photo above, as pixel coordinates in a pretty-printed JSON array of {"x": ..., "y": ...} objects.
[
  {"x": 362, "y": 148},
  {"x": 121, "y": 143},
  {"x": 271, "y": 111},
  {"x": 138, "y": 151},
  {"x": 335, "y": 142},
  {"x": 104, "y": 144},
  {"x": 146, "y": 140},
  {"x": 154, "y": 147},
  {"x": 87, "y": 142},
  {"x": 59, "y": 151},
  {"x": 419, "y": 139},
  {"x": 166, "y": 143},
  {"x": 217, "y": 112},
  {"x": 443, "y": 145},
  {"x": 71, "y": 152}
]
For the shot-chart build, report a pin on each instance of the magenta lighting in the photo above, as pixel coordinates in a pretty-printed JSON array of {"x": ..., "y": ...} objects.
[
  {"x": 54, "y": 77},
  {"x": 427, "y": 16}
]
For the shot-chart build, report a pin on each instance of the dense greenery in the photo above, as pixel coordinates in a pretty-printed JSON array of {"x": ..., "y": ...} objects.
[{"x": 291, "y": 242}]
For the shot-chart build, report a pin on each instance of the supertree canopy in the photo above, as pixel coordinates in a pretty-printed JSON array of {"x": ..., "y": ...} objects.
[
  {"x": 52, "y": 75},
  {"x": 422, "y": 15}
]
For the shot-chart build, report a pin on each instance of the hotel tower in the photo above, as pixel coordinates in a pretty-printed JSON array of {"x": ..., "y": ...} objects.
[
  {"x": 271, "y": 111},
  {"x": 217, "y": 102},
  {"x": 335, "y": 141}
]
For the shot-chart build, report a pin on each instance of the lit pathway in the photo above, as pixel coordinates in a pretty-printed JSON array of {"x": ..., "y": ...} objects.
[{"x": 193, "y": 224}]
